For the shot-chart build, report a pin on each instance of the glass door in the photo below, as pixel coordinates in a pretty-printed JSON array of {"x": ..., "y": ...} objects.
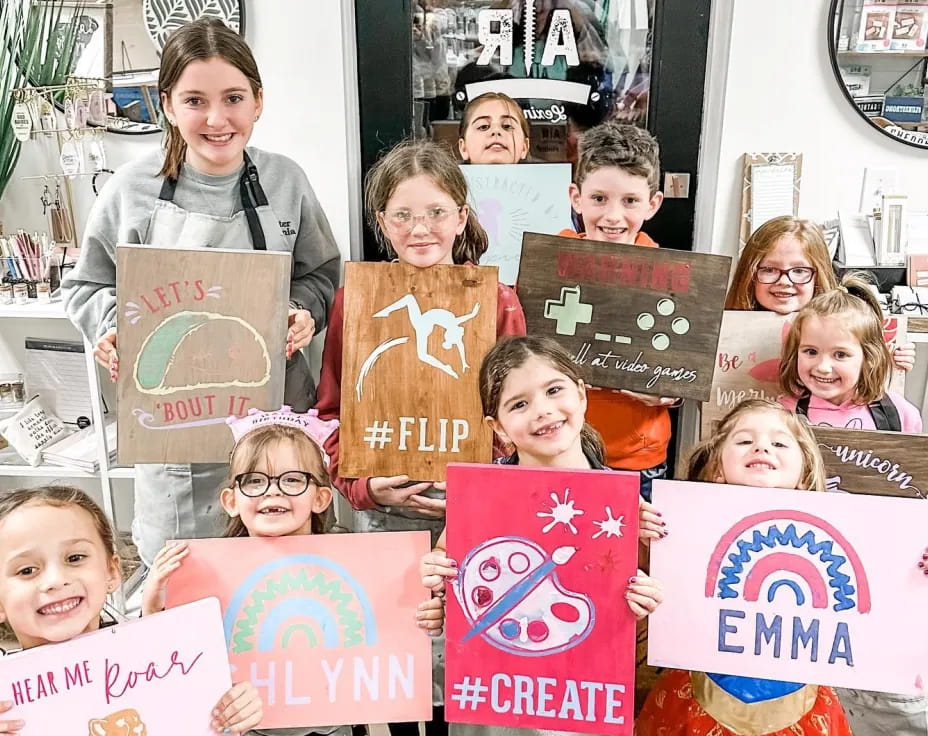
[{"x": 570, "y": 64}]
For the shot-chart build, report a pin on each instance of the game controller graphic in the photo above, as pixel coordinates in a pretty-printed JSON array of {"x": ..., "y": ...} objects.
[{"x": 511, "y": 596}]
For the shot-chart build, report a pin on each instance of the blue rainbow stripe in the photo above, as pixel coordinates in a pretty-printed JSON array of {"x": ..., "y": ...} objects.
[{"x": 838, "y": 580}]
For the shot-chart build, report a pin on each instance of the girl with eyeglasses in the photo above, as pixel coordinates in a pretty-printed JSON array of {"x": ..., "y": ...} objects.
[
  {"x": 784, "y": 264},
  {"x": 278, "y": 486},
  {"x": 416, "y": 202}
]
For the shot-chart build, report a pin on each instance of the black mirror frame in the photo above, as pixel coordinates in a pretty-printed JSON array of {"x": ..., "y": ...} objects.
[{"x": 830, "y": 32}]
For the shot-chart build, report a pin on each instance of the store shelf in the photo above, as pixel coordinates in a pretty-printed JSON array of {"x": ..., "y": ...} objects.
[
  {"x": 887, "y": 54},
  {"x": 58, "y": 471},
  {"x": 55, "y": 310}
]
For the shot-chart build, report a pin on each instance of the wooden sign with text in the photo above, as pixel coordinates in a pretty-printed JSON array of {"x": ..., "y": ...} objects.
[
  {"x": 878, "y": 463},
  {"x": 748, "y": 360},
  {"x": 643, "y": 319},
  {"x": 411, "y": 356},
  {"x": 201, "y": 335}
]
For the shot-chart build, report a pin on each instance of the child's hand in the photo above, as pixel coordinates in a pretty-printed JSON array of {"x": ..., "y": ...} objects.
[
  {"x": 300, "y": 330},
  {"x": 650, "y": 524},
  {"x": 427, "y": 503},
  {"x": 922, "y": 564},
  {"x": 649, "y": 400},
  {"x": 435, "y": 567},
  {"x": 392, "y": 491},
  {"x": 9, "y": 728},
  {"x": 239, "y": 710},
  {"x": 105, "y": 354},
  {"x": 904, "y": 356},
  {"x": 431, "y": 616},
  {"x": 644, "y": 594},
  {"x": 166, "y": 562}
]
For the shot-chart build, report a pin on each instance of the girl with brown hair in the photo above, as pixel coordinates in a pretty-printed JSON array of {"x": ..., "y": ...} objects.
[{"x": 205, "y": 189}]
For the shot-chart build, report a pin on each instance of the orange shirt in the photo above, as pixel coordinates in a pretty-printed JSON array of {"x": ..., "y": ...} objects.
[{"x": 635, "y": 435}]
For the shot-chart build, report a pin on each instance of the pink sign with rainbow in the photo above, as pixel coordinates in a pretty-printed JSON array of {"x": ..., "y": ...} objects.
[
  {"x": 791, "y": 585},
  {"x": 538, "y": 634}
]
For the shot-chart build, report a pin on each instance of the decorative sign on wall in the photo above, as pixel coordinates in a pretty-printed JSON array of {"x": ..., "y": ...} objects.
[
  {"x": 880, "y": 463},
  {"x": 770, "y": 189},
  {"x": 538, "y": 635},
  {"x": 748, "y": 360},
  {"x": 324, "y": 635},
  {"x": 202, "y": 334},
  {"x": 644, "y": 319},
  {"x": 414, "y": 328},
  {"x": 513, "y": 198},
  {"x": 160, "y": 674},
  {"x": 163, "y": 17},
  {"x": 790, "y": 585}
]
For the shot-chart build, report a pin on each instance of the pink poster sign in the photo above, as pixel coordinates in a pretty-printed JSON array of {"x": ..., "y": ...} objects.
[
  {"x": 538, "y": 632},
  {"x": 323, "y": 625},
  {"x": 819, "y": 588},
  {"x": 160, "y": 674}
]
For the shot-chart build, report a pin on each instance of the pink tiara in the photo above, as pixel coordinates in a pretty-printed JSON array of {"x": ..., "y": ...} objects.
[{"x": 318, "y": 430}]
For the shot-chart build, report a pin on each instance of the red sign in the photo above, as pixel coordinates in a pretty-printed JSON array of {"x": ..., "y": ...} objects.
[{"x": 538, "y": 632}]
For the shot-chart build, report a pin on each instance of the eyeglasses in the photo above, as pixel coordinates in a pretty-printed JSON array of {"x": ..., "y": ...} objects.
[
  {"x": 291, "y": 483},
  {"x": 797, "y": 275},
  {"x": 404, "y": 221}
]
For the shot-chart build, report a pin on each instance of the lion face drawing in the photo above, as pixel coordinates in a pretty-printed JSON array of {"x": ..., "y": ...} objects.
[{"x": 122, "y": 723}]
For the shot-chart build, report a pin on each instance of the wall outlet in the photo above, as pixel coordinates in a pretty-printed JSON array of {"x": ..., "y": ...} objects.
[{"x": 878, "y": 180}]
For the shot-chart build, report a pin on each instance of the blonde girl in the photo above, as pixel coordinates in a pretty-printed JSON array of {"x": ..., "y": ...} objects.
[
  {"x": 784, "y": 264},
  {"x": 54, "y": 584},
  {"x": 493, "y": 130},
  {"x": 833, "y": 371},
  {"x": 756, "y": 444},
  {"x": 835, "y": 364},
  {"x": 278, "y": 486}
]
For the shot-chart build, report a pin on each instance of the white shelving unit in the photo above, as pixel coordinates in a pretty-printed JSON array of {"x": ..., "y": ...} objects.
[{"x": 107, "y": 472}]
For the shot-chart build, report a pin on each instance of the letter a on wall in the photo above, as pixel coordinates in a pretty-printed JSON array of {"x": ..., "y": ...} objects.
[
  {"x": 201, "y": 337},
  {"x": 414, "y": 339}
]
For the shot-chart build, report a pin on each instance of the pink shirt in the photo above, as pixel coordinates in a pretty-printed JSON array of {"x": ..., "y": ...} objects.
[{"x": 855, "y": 416}]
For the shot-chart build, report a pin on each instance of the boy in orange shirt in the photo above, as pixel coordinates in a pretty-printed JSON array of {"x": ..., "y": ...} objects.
[{"x": 615, "y": 192}]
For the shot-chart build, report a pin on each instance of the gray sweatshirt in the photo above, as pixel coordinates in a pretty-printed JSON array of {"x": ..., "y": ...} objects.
[{"x": 123, "y": 210}]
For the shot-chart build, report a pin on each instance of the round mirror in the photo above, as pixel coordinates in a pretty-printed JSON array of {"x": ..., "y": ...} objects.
[
  {"x": 121, "y": 41},
  {"x": 879, "y": 58}
]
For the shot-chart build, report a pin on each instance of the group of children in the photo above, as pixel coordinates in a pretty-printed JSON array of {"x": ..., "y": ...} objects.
[{"x": 283, "y": 472}]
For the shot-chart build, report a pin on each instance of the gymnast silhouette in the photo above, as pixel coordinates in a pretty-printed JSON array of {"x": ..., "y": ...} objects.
[{"x": 424, "y": 322}]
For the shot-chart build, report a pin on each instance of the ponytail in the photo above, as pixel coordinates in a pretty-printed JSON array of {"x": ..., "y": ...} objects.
[
  {"x": 175, "y": 151},
  {"x": 472, "y": 243}
]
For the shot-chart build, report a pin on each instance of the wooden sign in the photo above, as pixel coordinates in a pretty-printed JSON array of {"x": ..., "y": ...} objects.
[
  {"x": 324, "y": 634},
  {"x": 791, "y": 585},
  {"x": 538, "y": 631},
  {"x": 513, "y": 198},
  {"x": 748, "y": 360},
  {"x": 414, "y": 340},
  {"x": 157, "y": 675},
  {"x": 201, "y": 337},
  {"x": 879, "y": 463},
  {"x": 643, "y": 319}
]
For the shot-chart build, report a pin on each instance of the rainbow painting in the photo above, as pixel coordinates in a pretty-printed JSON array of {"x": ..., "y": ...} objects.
[
  {"x": 327, "y": 637},
  {"x": 791, "y": 585}
]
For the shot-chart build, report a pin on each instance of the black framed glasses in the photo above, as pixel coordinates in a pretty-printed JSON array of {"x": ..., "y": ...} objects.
[
  {"x": 291, "y": 483},
  {"x": 796, "y": 275}
]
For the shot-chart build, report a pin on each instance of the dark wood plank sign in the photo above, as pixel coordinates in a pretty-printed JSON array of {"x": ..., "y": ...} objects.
[
  {"x": 413, "y": 342},
  {"x": 872, "y": 462},
  {"x": 643, "y": 319},
  {"x": 202, "y": 335}
]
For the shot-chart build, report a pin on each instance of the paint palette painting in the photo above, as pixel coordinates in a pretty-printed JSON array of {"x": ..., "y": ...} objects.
[{"x": 510, "y": 593}]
